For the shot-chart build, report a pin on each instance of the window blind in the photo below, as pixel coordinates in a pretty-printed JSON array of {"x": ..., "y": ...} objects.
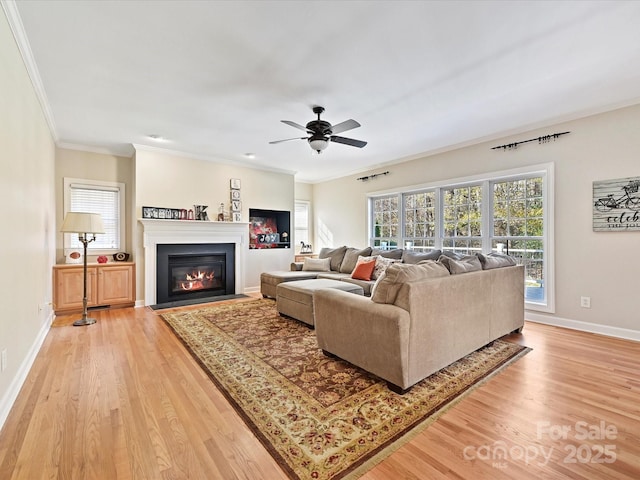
[{"x": 102, "y": 200}]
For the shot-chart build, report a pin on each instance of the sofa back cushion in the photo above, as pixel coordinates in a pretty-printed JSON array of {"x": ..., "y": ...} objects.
[
  {"x": 396, "y": 253},
  {"x": 316, "y": 265},
  {"x": 335, "y": 254},
  {"x": 410, "y": 256},
  {"x": 351, "y": 258},
  {"x": 468, "y": 263},
  {"x": 495, "y": 260},
  {"x": 388, "y": 285}
]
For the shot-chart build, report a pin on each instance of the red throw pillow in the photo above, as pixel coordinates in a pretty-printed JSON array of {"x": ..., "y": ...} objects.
[{"x": 363, "y": 270}]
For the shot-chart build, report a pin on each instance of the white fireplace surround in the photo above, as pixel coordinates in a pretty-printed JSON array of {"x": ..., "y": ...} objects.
[{"x": 161, "y": 232}]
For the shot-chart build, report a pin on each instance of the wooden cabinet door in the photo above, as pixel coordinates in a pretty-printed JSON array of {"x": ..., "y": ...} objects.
[
  {"x": 115, "y": 284},
  {"x": 69, "y": 286}
]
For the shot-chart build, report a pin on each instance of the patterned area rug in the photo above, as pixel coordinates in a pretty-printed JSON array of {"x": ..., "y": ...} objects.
[{"x": 319, "y": 417}]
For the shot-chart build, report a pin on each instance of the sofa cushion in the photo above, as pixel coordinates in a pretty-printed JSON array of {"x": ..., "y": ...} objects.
[
  {"x": 468, "y": 263},
  {"x": 386, "y": 289},
  {"x": 335, "y": 254},
  {"x": 382, "y": 263},
  {"x": 395, "y": 253},
  {"x": 364, "y": 268},
  {"x": 351, "y": 258},
  {"x": 454, "y": 255},
  {"x": 495, "y": 260},
  {"x": 316, "y": 265},
  {"x": 409, "y": 256}
]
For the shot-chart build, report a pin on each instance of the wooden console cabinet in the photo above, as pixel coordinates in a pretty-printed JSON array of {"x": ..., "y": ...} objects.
[{"x": 108, "y": 285}]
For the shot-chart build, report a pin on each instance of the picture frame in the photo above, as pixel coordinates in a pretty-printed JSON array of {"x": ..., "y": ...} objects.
[
  {"x": 236, "y": 206},
  {"x": 237, "y": 216},
  {"x": 234, "y": 183},
  {"x": 616, "y": 205},
  {"x": 147, "y": 212}
]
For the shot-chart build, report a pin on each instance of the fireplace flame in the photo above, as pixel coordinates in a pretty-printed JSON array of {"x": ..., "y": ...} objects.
[{"x": 197, "y": 281}]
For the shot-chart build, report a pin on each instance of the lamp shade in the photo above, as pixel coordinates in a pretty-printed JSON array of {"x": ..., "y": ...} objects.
[{"x": 80, "y": 222}]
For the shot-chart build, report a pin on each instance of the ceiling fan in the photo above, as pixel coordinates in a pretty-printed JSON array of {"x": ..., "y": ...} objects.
[{"x": 322, "y": 132}]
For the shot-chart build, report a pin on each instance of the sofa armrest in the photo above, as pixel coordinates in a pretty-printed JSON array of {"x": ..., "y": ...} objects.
[
  {"x": 370, "y": 335},
  {"x": 296, "y": 266}
]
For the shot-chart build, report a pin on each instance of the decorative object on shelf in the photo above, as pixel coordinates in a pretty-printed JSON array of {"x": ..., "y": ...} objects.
[
  {"x": 221, "y": 212},
  {"x": 305, "y": 248},
  {"x": 285, "y": 237},
  {"x": 73, "y": 256},
  {"x": 236, "y": 204},
  {"x": 120, "y": 257},
  {"x": 616, "y": 205},
  {"x": 84, "y": 224},
  {"x": 373, "y": 175},
  {"x": 175, "y": 213},
  {"x": 542, "y": 139},
  {"x": 102, "y": 259},
  {"x": 201, "y": 214}
]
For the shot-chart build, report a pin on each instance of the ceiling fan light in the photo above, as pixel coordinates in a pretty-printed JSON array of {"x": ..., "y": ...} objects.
[{"x": 318, "y": 144}]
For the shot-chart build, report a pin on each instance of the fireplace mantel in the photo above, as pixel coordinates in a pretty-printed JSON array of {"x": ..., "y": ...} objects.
[{"x": 157, "y": 232}]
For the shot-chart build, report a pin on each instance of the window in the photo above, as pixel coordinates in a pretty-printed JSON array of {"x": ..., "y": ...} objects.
[
  {"x": 510, "y": 212},
  {"x": 301, "y": 222},
  {"x": 518, "y": 229},
  {"x": 386, "y": 226},
  {"x": 105, "y": 198},
  {"x": 462, "y": 219},
  {"x": 420, "y": 220}
]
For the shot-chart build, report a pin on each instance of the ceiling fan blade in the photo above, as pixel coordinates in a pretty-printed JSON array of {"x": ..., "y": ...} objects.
[
  {"x": 348, "y": 141},
  {"x": 344, "y": 126},
  {"x": 294, "y": 124},
  {"x": 287, "y": 139}
]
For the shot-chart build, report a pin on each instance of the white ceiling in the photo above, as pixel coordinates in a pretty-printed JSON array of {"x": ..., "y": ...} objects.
[{"x": 215, "y": 77}]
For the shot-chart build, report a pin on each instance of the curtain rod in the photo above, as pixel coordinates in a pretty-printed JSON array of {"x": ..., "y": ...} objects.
[
  {"x": 373, "y": 175},
  {"x": 542, "y": 139}
]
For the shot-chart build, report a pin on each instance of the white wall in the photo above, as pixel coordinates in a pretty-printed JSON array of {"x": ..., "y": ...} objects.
[
  {"x": 165, "y": 179},
  {"x": 27, "y": 250},
  {"x": 601, "y": 265}
]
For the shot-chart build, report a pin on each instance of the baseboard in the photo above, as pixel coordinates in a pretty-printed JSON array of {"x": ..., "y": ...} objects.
[
  {"x": 11, "y": 395},
  {"x": 600, "y": 329},
  {"x": 252, "y": 289}
]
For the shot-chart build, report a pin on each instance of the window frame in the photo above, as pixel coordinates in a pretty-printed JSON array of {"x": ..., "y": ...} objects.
[
  {"x": 307, "y": 228},
  {"x": 97, "y": 185},
  {"x": 544, "y": 170}
]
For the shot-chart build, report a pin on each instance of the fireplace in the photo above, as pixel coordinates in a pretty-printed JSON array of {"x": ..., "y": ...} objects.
[
  {"x": 194, "y": 273},
  {"x": 191, "y": 232}
]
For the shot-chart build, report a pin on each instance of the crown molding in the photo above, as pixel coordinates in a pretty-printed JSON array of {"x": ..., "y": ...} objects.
[
  {"x": 210, "y": 158},
  {"x": 97, "y": 149},
  {"x": 17, "y": 28}
]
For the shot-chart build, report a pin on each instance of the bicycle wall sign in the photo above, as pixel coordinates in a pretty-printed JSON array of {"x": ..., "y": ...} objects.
[{"x": 616, "y": 205}]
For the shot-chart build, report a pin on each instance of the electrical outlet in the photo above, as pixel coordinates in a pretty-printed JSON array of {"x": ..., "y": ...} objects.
[
  {"x": 3, "y": 360},
  {"x": 585, "y": 302}
]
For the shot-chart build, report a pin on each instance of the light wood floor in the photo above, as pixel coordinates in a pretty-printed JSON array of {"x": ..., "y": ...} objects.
[{"x": 122, "y": 399}]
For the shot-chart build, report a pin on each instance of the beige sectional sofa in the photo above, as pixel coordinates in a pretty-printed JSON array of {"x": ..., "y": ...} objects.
[
  {"x": 422, "y": 317},
  {"x": 339, "y": 264}
]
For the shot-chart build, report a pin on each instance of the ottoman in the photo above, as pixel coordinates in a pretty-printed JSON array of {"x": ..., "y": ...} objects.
[
  {"x": 270, "y": 280},
  {"x": 295, "y": 299}
]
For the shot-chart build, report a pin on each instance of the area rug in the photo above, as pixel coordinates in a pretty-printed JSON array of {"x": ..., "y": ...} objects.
[{"x": 319, "y": 417}]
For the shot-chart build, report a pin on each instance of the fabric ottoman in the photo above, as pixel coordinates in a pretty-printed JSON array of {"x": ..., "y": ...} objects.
[
  {"x": 295, "y": 299},
  {"x": 270, "y": 280}
]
